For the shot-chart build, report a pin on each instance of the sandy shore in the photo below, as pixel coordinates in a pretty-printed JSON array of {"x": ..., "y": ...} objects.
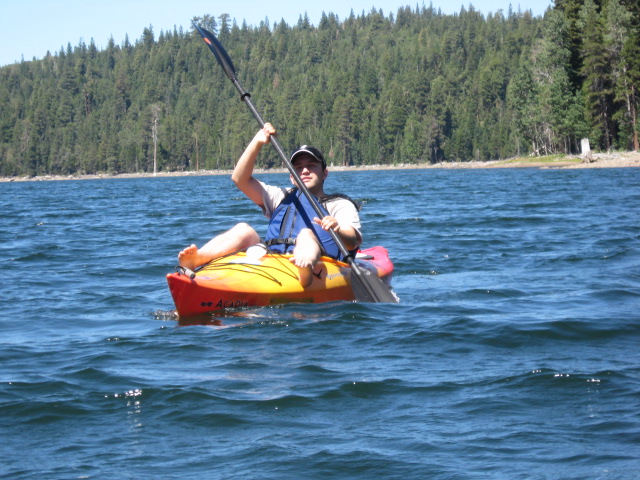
[{"x": 600, "y": 160}]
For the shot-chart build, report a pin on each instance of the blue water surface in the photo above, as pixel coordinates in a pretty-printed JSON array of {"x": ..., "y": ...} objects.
[{"x": 514, "y": 352}]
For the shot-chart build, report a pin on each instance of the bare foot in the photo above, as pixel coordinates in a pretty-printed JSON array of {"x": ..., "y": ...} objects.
[{"x": 188, "y": 258}]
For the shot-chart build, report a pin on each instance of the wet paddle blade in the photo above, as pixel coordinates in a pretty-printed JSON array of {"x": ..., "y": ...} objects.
[{"x": 370, "y": 288}]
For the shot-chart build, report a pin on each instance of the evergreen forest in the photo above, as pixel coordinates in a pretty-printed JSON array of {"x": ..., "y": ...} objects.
[{"x": 374, "y": 88}]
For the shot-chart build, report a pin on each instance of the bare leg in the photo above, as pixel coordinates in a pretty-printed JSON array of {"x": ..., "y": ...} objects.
[
  {"x": 305, "y": 256},
  {"x": 240, "y": 237}
]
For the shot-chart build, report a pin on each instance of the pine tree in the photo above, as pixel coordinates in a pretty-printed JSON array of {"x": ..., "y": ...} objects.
[
  {"x": 623, "y": 47},
  {"x": 598, "y": 79}
]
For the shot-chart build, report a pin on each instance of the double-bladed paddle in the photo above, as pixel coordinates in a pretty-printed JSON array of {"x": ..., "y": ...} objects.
[{"x": 366, "y": 286}]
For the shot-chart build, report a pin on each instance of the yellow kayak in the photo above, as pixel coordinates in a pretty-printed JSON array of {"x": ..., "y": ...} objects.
[{"x": 255, "y": 278}]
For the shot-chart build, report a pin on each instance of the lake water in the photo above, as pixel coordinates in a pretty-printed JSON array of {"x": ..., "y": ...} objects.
[{"x": 514, "y": 353}]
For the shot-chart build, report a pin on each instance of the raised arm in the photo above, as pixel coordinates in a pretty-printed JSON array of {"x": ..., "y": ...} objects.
[{"x": 242, "y": 175}]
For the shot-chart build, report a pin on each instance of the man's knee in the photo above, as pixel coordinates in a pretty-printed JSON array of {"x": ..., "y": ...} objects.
[
  {"x": 307, "y": 239},
  {"x": 246, "y": 231}
]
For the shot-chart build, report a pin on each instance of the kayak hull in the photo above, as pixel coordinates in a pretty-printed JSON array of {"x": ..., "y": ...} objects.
[{"x": 246, "y": 280}]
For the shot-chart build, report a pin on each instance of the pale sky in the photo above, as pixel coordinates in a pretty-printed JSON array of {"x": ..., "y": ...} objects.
[{"x": 30, "y": 28}]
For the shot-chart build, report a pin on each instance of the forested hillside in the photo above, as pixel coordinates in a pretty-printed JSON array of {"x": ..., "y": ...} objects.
[{"x": 410, "y": 86}]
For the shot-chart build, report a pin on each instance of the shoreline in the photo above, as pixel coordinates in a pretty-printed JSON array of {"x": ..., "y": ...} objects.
[{"x": 599, "y": 160}]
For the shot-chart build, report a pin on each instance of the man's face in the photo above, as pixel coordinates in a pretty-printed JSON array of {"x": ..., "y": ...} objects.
[{"x": 310, "y": 172}]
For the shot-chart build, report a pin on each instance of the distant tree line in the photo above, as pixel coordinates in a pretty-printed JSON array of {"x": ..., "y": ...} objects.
[{"x": 414, "y": 86}]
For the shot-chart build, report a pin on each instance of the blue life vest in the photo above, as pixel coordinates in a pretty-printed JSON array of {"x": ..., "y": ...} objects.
[{"x": 294, "y": 213}]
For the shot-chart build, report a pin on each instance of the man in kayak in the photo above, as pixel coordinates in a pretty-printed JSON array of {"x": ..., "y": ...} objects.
[{"x": 293, "y": 225}]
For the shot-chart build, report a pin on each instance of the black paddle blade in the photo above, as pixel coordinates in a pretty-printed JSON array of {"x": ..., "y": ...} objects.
[
  {"x": 370, "y": 288},
  {"x": 218, "y": 50}
]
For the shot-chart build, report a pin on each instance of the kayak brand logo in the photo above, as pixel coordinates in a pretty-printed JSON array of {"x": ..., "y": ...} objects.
[
  {"x": 331, "y": 276},
  {"x": 226, "y": 304}
]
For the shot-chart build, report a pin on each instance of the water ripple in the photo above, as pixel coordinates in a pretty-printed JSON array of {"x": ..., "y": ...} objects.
[{"x": 511, "y": 355}]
